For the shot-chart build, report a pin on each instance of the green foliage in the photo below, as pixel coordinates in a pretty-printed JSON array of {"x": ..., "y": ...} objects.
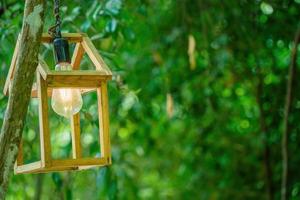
[{"x": 184, "y": 101}]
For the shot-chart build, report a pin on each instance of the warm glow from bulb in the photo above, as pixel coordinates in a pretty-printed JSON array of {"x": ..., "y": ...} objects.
[{"x": 66, "y": 102}]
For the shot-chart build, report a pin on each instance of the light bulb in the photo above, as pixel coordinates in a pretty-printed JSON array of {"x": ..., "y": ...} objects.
[{"x": 66, "y": 102}]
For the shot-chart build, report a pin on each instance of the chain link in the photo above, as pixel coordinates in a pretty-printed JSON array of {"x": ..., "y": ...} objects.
[{"x": 54, "y": 30}]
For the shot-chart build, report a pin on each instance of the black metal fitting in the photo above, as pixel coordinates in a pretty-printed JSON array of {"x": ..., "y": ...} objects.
[{"x": 61, "y": 50}]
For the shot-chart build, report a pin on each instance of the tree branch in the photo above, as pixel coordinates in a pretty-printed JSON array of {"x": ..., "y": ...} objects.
[
  {"x": 287, "y": 108},
  {"x": 20, "y": 89}
]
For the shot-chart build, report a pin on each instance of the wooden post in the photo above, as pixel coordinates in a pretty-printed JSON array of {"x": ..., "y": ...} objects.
[
  {"x": 77, "y": 56},
  {"x": 44, "y": 122},
  {"x": 104, "y": 121},
  {"x": 75, "y": 119},
  {"x": 76, "y": 141},
  {"x": 12, "y": 67}
]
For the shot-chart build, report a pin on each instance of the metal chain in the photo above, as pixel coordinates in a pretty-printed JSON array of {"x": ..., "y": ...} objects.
[{"x": 54, "y": 30}]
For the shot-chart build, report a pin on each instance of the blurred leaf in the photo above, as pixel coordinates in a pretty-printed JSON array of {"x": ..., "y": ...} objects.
[
  {"x": 113, "y": 6},
  {"x": 111, "y": 26},
  {"x": 170, "y": 105},
  {"x": 266, "y": 8},
  {"x": 86, "y": 25},
  {"x": 191, "y": 52}
]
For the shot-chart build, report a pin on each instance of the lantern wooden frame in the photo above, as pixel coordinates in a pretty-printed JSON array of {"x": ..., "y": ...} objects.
[{"x": 86, "y": 80}]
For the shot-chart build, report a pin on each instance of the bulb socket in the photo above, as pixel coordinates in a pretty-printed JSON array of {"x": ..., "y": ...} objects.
[{"x": 61, "y": 50}]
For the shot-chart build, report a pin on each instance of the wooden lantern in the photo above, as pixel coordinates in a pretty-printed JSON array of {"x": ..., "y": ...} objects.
[{"x": 86, "y": 80}]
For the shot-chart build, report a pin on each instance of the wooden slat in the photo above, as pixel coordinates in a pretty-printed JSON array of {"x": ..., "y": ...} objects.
[
  {"x": 75, "y": 81},
  {"x": 12, "y": 67},
  {"x": 76, "y": 140},
  {"x": 88, "y": 73},
  {"x": 62, "y": 82},
  {"x": 77, "y": 56},
  {"x": 53, "y": 169},
  {"x": 88, "y": 167},
  {"x": 22, "y": 170},
  {"x": 28, "y": 167},
  {"x": 95, "y": 57},
  {"x": 104, "y": 121},
  {"x": 44, "y": 122},
  {"x": 79, "y": 162},
  {"x": 71, "y": 37}
]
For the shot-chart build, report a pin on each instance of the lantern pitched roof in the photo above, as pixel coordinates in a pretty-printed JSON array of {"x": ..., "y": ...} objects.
[{"x": 83, "y": 45}]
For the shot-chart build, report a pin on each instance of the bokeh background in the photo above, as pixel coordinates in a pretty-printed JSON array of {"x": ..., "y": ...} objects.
[{"x": 196, "y": 101}]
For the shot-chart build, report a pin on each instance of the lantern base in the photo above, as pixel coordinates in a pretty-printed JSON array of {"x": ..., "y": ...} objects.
[{"x": 62, "y": 165}]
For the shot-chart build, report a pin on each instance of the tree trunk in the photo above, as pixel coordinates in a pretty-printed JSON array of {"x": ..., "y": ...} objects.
[
  {"x": 39, "y": 186},
  {"x": 20, "y": 89},
  {"x": 287, "y": 108},
  {"x": 265, "y": 136}
]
